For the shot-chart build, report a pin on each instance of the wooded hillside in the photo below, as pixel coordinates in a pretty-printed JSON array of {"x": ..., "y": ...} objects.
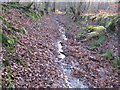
[{"x": 59, "y": 44}]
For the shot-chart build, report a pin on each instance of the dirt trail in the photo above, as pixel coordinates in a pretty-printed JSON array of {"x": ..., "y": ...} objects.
[
  {"x": 66, "y": 68},
  {"x": 38, "y": 50}
]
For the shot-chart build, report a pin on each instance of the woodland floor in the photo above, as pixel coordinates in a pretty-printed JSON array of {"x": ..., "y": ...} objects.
[{"x": 38, "y": 51}]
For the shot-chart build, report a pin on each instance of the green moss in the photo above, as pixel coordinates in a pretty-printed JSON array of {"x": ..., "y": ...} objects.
[
  {"x": 9, "y": 25},
  {"x": 23, "y": 30},
  {"x": 6, "y": 62},
  {"x": 21, "y": 62},
  {"x": 10, "y": 78},
  {"x": 8, "y": 42}
]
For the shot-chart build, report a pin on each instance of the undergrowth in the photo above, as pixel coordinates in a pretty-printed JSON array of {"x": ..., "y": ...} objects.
[{"x": 95, "y": 30}]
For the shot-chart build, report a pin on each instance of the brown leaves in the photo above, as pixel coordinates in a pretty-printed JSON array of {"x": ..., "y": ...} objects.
[
  {"x": 93, "y": 70},
  {"x": 37, "y": 50}
]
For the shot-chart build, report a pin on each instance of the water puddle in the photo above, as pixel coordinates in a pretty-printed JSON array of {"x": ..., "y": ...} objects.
[{"x": 70, "y": 81}]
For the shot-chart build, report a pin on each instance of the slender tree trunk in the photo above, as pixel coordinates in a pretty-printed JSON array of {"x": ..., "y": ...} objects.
[
  {"x": 29, "y": 5},
  {"x": 53, "y": 6},
  {"x": 46, "y": 7}
]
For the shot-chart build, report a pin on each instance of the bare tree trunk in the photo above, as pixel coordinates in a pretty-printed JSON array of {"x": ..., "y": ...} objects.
[
  {"x": 46, "y": 7},
  {"x": 29, "y": 5},
  {"x": 53, "y": 6}
]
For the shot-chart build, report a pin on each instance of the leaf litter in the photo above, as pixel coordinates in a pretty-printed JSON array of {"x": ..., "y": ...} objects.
[{"x": 37, "y": 50}]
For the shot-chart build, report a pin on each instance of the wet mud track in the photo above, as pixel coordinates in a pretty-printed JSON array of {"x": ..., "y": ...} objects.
[{"x": 65, "y": 67}]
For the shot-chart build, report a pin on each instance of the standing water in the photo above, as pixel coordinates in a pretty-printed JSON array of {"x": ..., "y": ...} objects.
[{"x": 70, "y": 81}]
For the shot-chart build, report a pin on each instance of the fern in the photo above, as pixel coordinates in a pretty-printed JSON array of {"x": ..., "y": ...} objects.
[
  {"x": 98, "y": 28},
  {"x": 7, "y": 41},
  {"x": 11, "y": 85},
  {"x": 117, "y": 62},
  {"x": 107, "y": 55},
  {"x": 98, "y": 42}
]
